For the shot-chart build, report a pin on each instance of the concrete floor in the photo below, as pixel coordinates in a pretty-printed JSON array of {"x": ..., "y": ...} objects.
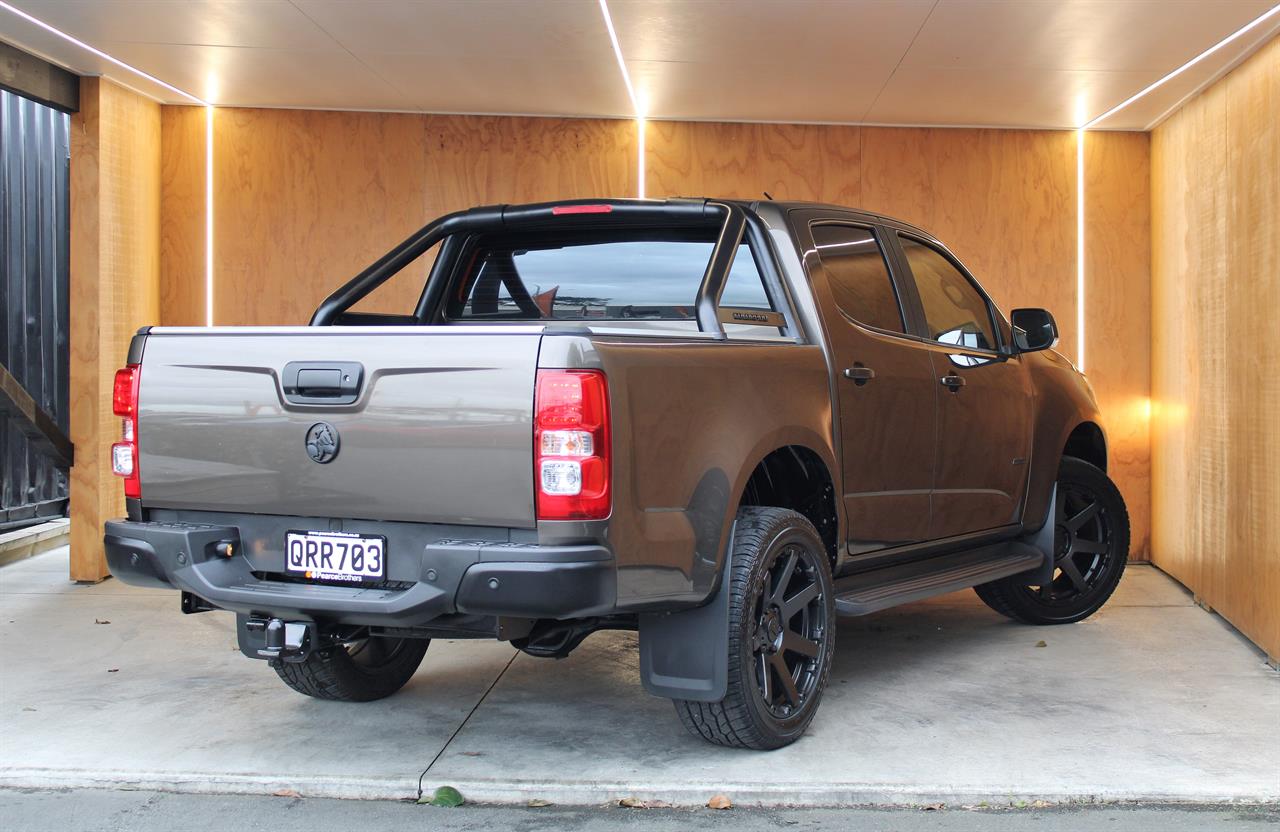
[{"x": 944, "y": 701}]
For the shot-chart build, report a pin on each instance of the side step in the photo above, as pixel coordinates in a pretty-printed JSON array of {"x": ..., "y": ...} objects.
[{"x": 883, "y": 588}]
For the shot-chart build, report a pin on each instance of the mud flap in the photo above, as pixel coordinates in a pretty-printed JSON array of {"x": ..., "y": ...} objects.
[
  {"x": 685, "y": 655},
  {"x": 1043, "y": 541}
]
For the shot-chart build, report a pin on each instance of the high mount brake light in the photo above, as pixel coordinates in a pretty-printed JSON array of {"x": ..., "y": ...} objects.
[
  {"x": 124, "y": 403},
  {"x": 581, "y": 209},
  {"x": 571, "y": 445}
]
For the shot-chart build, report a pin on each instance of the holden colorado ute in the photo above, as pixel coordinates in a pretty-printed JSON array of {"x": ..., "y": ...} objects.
[{"x": 723, "y": 424}]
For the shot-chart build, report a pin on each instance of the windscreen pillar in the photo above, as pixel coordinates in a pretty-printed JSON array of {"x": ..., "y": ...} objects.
[{"x": 115, "y": 279}]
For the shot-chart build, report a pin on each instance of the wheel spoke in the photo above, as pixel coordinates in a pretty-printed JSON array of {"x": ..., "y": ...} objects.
[
  {"x": 1072, "y": 571},
  {"x": 788, "y": 569},
  {"x": 1089, "y": 547},
  {"x": 797, "y": 643},
  {"x": 784, "y": 678},
  {"x": 800, "y": 600},
  {"x": 1085, "y": 515},
  {"x": 766, "y": 685}
]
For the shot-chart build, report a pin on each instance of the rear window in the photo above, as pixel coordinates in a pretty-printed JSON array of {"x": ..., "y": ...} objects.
[{"x": 653, "y": 275}]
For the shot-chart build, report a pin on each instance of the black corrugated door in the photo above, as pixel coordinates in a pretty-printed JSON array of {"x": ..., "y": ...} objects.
[{"x": 34, "y": 252}]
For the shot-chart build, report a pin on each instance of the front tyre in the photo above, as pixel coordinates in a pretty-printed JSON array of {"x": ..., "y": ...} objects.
[
  {"x": 359, "y": 671},
  {"x": 781, "y": 634},
  {"x": 1091, "y": 546}
]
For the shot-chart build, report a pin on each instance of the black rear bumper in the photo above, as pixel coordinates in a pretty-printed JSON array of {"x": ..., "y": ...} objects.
[{"x": 445, "y": 576}]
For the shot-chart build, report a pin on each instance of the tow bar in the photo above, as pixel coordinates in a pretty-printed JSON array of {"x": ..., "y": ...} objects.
[{"x": 290, "y": 641}]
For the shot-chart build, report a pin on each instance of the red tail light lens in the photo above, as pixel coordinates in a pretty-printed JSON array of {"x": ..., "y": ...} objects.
[
  {"x": 571, "y": 445},
  {"x": 124, "y": 454}
]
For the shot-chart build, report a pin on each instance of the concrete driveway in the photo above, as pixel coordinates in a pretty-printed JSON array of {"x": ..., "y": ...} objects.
[{"x": 940, "y": 702}]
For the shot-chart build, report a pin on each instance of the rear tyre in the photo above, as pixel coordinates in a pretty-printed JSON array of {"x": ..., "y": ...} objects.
[
  {"x": 781, "y": 634},
  {"x": 1091, "y": 546},
  {"x": 360, "y": 671}
]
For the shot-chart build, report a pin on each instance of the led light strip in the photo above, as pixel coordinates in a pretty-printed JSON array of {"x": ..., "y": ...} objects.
[
  {"x": 1238, "y": 33},
  {"x": 153, "y": 79},
  {"x": 637, "y": 103},
  {"x": 208, "y": 141},
  {"x": 1080, "y": 132}
]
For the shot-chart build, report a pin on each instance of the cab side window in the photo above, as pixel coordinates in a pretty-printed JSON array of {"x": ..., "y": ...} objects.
[
  {"x": 859, "y": 275},
  {"x": 954, "y": 310}
]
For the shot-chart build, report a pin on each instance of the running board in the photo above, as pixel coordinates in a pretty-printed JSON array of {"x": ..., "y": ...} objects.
[{"x": 883, "y": 588}]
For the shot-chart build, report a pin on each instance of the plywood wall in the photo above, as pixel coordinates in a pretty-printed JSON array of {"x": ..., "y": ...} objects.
[
  {"x": 307, "y": 199},
  {"x": 1215, "y": 168},
  {"x": 1003, "y": 200},
  {"x": 115, "y": 268}
]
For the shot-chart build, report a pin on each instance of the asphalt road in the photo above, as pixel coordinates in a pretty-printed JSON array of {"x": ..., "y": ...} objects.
[{"x": 131, "y": 811}]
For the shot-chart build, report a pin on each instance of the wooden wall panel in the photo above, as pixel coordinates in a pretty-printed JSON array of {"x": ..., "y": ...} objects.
[
  {"x": 1215, "y": 358},
  {"x": 182, "y": 216},
  {"x": 744, "y": 161},
  {"x": 305, "y": 199},
  {"x": 1117, "y": 312},
  {"x": 115, "y": 265}
]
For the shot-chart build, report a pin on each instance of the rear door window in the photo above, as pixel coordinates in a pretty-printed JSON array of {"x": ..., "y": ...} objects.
[
  {"x": 859, "y": 275},
  {"x": 595, "y": 276}
]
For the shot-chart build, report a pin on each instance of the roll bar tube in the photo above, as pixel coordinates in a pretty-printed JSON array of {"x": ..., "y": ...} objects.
[{"x": 560, "y": 214}]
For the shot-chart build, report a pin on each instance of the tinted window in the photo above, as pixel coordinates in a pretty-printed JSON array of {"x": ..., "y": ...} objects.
[
  {"x": 858, "y": 275},
  {"x": 600, "y": 278},
  {"x": 954, "y": 310}
]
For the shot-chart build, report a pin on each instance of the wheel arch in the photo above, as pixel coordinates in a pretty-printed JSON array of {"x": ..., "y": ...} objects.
[
  {"x": 796, "y": 477},
  {"x": 1088, "y": 442}
]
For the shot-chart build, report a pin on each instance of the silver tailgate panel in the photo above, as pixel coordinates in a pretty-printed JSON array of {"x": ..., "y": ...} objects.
[{"x": 441, "y": 431}]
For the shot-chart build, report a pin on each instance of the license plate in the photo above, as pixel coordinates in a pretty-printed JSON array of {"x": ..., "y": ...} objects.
[{"x": 336, "y": 556}]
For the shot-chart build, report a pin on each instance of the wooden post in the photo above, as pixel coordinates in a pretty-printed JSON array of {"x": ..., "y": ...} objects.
[{"x": 115, "y": 256}]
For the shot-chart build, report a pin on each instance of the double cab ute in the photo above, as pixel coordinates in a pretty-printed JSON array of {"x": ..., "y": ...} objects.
[{"x": 721, "y": 423}]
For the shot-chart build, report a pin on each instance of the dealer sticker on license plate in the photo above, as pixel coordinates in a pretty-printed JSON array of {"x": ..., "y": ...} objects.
[{"x": 336, "y": 556}]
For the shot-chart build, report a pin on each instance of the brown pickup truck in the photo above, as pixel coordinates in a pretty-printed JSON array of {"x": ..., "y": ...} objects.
[{"x": 720, "y": 423}]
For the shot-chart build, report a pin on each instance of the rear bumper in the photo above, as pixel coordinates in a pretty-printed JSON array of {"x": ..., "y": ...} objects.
[{"x": 438, "y": 578}]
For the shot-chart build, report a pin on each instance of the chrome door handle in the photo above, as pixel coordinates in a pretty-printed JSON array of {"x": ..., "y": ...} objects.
[
  {"x": 859, "y": 375},
  {"x": 953, "y": 381}
]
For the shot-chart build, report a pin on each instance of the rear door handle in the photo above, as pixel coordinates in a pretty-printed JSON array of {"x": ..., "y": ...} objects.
[
  {"x": 860, "y": 375},
  {"x": 953, "y": 381}
]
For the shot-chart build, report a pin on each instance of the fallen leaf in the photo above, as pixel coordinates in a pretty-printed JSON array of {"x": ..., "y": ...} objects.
[
  {"x": 538, "y": 803},
  {"x": 28, "y": 709},
  {"x": 934, "y": 807},
  {"x": 1040, "y": 804},
  {"x": 632, "y": 803},
  {"x": 1042, "y": 644},
  {"x": 720, "y": 802},
  {"x": 464, "y": 753},
  {"x": 101, "y": 621},
  {"x": 285, "y": 793},
  {"x": 447, "y": 796},
  {"x": 657, "y": 804},
  {"x": 113, "y": 670}
]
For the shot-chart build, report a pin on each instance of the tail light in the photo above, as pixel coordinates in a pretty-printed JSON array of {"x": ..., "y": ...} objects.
[
  {"x": 571, "y": 445},
  {"x": 124, "y": 454}
]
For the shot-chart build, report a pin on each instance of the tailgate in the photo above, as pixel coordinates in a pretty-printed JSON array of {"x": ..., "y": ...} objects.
[{"x": 440, "y": 429}]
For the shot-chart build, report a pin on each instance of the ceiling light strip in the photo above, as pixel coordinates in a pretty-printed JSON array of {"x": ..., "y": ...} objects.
[
  {"x": 153, "y": 79},
  {"x": 1248, "y": 27},
  {"x": 636, "y": 103}
]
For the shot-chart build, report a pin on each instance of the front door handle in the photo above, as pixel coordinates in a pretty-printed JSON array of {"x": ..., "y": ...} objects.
[
  {"x": 952, "y": 381},
  {"x": 859, "y": 375}
]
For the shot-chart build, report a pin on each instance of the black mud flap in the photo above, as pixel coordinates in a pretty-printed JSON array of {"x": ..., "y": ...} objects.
[{"x": 685, "y": 655}]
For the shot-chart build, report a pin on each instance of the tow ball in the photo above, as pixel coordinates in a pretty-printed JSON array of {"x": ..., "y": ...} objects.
[{"x": 291, "y": 641}]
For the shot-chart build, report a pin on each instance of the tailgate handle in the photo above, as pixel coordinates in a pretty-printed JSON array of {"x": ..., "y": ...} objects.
[{"x": 322, "y": 382}]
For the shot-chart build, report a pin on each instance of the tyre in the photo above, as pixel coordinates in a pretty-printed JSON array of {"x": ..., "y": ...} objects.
[
  {"x": 360, "y": 671},
  {"x": 781, "y": 634},
  {"x": 1091, "y": 546}
]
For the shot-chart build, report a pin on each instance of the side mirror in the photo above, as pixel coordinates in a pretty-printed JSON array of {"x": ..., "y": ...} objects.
[{"x": 1033, "y": 330}]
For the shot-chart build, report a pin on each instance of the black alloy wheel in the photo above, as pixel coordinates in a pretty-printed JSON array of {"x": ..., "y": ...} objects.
[
  {"x": 1090, "y": 549},
  {"x": 790, "y": 627}
]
